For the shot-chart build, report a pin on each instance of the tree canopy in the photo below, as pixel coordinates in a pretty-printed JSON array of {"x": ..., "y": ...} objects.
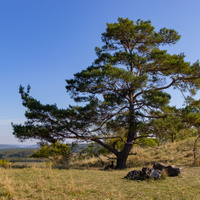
[{"x": 124, "y": 88}]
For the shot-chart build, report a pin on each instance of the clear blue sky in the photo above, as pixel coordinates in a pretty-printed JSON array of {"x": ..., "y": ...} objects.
[{"x": 44, "y": 42}]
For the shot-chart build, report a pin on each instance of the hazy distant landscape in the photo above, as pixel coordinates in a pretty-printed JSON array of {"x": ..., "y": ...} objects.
[{"x": 17, "y": 146}]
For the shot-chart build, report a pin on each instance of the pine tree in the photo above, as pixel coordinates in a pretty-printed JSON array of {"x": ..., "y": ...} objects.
[{"x": 123, "y": 89}]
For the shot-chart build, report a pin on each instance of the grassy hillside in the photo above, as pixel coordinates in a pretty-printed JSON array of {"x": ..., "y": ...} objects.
[{"x": 177, "y": 153}]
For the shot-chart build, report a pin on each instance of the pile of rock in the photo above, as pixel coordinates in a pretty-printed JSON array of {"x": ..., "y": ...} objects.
[
  {"x": 171, "y": 170},
  {"x": 155, "y": 172}
]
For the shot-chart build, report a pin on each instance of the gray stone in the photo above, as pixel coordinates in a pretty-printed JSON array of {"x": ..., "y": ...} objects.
[
  {"x": 134, "y": 175},
  {"x": 145, "y": 173},
  {"x": 171, "y": 170},
  {"x": 156, "y": 174},
  {"x": 159, "y": 166}
]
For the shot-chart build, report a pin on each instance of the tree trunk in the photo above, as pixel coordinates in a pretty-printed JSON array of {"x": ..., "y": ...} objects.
[
  {"x": 121, "y": 163},
  {"x": 123, "y": 156}
]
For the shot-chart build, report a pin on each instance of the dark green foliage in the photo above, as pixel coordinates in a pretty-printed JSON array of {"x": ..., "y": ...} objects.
[{"x": 124, "y": 88}]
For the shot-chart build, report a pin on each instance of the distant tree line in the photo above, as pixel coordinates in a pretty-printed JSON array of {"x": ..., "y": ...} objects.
[{"x": 19, "y": 155}]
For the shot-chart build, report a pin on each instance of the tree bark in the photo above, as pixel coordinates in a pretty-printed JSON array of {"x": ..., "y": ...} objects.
[
  {"x": 121, "y": 163},
  {"x": 123, "y": 156}
]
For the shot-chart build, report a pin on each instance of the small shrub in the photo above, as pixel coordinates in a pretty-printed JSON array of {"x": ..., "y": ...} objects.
[
  {"x": 4, "y": 163},
  {"x": 58, "y": 153}
]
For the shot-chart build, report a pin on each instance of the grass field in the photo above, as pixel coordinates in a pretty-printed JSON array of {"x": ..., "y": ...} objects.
[
  {"x": 83, "y": 181},
  {"x": 43, "y": 184}
]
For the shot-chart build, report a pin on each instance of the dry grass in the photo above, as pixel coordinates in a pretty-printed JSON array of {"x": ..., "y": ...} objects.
[
  {"x": 45, "y": 183},
  {"x": 88, "y": 163},
  {"x": 40, "y": 184},
  {"x": 177, "y": 153}
]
